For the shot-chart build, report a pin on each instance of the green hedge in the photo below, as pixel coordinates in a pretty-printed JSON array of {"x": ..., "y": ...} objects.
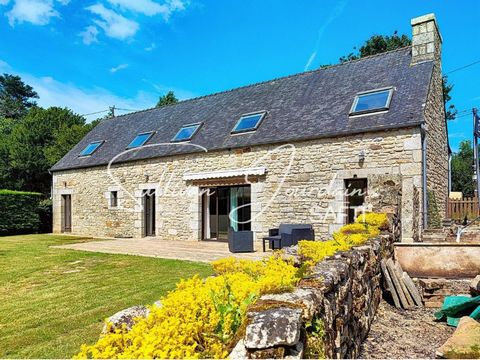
[{"x": 19, "y": 212}]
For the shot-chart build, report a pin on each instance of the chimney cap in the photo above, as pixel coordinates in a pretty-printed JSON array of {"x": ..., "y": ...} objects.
[{"x": 426, "y": 18}]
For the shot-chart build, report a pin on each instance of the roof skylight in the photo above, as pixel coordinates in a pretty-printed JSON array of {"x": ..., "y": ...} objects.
[
  {"x": 140, "y": 140},
  {"x": 91, "y": 148},
  {"x": 248, "y": 122},
  {"x": 186, "y": 132},
  {"x": 371, "y": 101}
]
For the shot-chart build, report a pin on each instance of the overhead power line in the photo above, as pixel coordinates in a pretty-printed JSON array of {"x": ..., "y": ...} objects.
[
  {"x": 461, "y": 116},
  {"x": 463, "y": 67},
  {"x": 109, "y": 109},
  {"x": 93, "y": 113},
  {"x": 127, "y": 109}
]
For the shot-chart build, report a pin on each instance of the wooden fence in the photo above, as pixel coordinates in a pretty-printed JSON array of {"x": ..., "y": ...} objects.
[{"x": 458, "y": 209}]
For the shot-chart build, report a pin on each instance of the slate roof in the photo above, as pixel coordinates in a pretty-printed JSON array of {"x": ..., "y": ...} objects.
[{"x": 308, "y": 105}]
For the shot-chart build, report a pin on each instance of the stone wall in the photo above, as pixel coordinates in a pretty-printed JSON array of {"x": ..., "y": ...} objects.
[
  {"x": 427, "y": 46},
  {"x": 437, "y": 142},
  {"x": 343, "y": 292},
  {"x": 304, "y": 183}
]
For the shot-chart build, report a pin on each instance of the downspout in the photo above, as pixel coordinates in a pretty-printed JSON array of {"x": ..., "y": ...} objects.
[
  {"x": 424, "y": 176},
  {"x": 449, "y": 173}
]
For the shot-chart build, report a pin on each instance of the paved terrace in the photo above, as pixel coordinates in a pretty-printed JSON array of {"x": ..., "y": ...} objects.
[{"x": 202, "y": 251}]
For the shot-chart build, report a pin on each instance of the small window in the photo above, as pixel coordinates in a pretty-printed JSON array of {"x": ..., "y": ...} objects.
[
  {"x": 113, "y": 199},
  {"x": 140, "y": 140},
  {"x": 91, "y": 148},
  {"x": 249, "y": 122},
  {"x": 186, "y": 132},
  {"x": 371, "y": 101}
]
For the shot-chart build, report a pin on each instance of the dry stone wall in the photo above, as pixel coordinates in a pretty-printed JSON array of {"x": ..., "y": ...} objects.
[{"x": 343, "y": 292}]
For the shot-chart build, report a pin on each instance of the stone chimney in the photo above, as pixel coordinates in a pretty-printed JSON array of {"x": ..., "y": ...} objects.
[{"x": 426, "y": 39}]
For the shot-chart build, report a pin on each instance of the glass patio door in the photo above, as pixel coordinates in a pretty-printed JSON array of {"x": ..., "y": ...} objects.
[{"x": 218, "y": 203}]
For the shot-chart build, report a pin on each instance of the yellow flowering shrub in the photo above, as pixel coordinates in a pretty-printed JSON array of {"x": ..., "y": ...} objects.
[
  {"x": 354, "y": 228},
  {"x": 274, "y": 274},
  {"x": 312, "y": 252},
  {"x": 200, "y": 317},
  {"x": 378, "y": 220}
]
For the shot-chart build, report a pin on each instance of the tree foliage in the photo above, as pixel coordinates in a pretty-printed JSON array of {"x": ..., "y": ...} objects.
[
  {"x": 378, "y": 44},
  {"x": 450, "y": 110},
  {"x": 15, "y": 96},
  {"x": 36, "y": 143},
  {"x": 167, "y": 99},
  {"x": 33, "y": 139},
  {"x": 462, "y": 169}
]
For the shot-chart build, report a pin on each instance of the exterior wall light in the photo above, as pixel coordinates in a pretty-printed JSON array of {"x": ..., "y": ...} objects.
[{"x": 361, "y": 156}]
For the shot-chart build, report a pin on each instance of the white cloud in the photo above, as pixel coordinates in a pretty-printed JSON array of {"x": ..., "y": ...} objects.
[
  {"x": 84, "y": 101},
  {"x": 93, "y": 99},
  {"x": 119, "y": 67},
  {"x": 89, "y": 35},
  {"x": 310, "y": 60},
  {"x": 151, "y": 47},
  {"x": 4, "y": 65},
  {"x": 147, "y": 7},
  {"x": 336, "y": 12},
  {"x": 4, "y": 2},
  {"x": 150, "y": 7},
  {"x": 115, "y": 25},
  {"x": 37, "y": 12}
]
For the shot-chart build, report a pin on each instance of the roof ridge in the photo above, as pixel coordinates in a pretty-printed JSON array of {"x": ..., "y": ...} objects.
[{"x": 266, "y": 81}]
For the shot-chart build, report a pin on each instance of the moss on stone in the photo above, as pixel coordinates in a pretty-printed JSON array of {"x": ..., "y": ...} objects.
[
  {"x": 434, "y": 218},
  {"x": 315, "y": 344}
]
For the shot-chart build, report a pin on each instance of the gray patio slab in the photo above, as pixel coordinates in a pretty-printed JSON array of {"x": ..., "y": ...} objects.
[{"x": 202, "y": 251}]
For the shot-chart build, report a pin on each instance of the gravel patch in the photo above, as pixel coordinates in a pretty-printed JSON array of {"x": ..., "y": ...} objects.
[{"x": 400, "y": 334}]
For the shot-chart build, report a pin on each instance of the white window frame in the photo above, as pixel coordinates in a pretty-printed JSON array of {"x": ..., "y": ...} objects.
[{"x": 371, "y": 111}]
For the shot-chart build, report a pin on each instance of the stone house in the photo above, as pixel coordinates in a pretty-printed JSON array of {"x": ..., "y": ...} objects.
[{"x": 317, "y": 147}]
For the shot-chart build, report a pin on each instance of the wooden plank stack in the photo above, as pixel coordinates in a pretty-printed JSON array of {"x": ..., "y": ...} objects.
[{"x": 404, "y": 293}]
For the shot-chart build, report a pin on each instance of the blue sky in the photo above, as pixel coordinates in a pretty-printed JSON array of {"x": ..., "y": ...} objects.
[{"x": 88, "y": 55}]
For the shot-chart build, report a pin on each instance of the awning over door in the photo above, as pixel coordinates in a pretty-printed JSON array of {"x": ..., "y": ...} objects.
[{"x": 237, "y": 176}]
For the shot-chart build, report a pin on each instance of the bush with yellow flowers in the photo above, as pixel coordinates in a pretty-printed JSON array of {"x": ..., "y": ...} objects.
[
  {"x": 200, "y": 318},
  {"x": 367, "y": 226},
  {"x": 378, "y": 220},
  {"x": 272, "y": 275}
]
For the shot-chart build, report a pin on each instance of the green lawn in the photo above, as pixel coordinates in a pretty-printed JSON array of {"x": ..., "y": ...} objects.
[{"x": 54, "y": 300}]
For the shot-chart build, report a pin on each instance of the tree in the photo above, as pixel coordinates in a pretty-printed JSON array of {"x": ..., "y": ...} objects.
[
  {"x": 64, "y": 139},
  {"x": 462, "y": 169},
  {"x": 167, "y": 99},
  {"x": 37, "y": 142},
  {"x": 15, "y": 97},
  {"x": 450, "y": 110},
  {"x": 378, "y": 44}
]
